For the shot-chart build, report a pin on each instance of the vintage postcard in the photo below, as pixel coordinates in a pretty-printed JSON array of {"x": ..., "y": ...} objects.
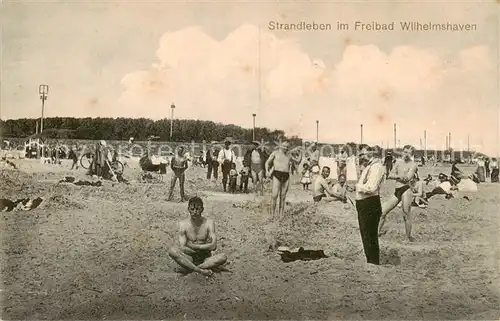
[{"x": 242, "y": 160}]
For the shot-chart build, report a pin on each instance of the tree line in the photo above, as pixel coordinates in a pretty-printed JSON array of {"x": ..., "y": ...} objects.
[
  {"x": 183, "y": 130},
  {"x": 139, "y": 128}
]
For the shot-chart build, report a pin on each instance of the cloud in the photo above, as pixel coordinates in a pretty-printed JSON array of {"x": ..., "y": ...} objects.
[{"x": 220, "y": 80}]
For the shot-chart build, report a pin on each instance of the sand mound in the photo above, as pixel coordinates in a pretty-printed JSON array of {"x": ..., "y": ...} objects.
[{"x": 61, "y": 202}]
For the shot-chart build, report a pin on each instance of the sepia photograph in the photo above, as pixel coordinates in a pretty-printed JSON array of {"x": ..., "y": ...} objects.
[{"x": 249, "y": 160}]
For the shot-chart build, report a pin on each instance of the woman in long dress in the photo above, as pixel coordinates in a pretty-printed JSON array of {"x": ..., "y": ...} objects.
[
  {"x": 352, "y": 174},
  {"x": 494, "y": 170},
  {"x": 481, "y": 172}
]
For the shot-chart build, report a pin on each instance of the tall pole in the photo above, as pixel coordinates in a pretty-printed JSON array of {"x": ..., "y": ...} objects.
[
  {"x": 468, "y": 143},
  {"x": 446, "y": 143},
  {"x": 317, "y": 131},
  {"x": 361, "y": 140},
  {"x": 253, "y": 132},
  {"x": 425, "y": 144},
  {"x": 395, "y": 136},
  {"x": 449, "y": 140},
  {"x": 43, "y": 90},
  {"x": 172, "y": 107}
]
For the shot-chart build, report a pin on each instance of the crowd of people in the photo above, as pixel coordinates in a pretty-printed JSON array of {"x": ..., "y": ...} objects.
[{"x": 197, "y": 235}]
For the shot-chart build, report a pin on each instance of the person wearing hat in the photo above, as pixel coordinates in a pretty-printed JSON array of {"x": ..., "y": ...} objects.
[
  {"x": 368, "y": 203},
  {"x": 255, "y": 157},
  {"x": 404, "y": 173},
  {"x": 226, "y": 158}
]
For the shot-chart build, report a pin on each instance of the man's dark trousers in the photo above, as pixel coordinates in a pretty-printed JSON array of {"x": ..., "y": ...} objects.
[
  {"x": 213, "y": 167},
  {"x": 226, "y": 167},
  {"x": 369, "y": 212}
]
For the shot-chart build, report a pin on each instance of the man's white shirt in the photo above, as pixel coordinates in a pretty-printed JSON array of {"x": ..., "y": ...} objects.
[{"x": 225, "y": 154}]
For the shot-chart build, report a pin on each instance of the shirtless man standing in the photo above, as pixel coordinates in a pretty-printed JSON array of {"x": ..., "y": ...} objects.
[
  {"x": 278, "y": 167},
  {"x": 197, "y": 240},
  {"x": 178, "y": 165},
  {"x": 404, "y": 173},
  {"x": 321, "y": 188}
]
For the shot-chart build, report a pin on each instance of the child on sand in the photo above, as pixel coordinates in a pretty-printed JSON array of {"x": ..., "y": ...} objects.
[
  {"x": 245, "y": 174},
  {"x": 233, "y": 177},
  {"x": 306, "y": 177}
]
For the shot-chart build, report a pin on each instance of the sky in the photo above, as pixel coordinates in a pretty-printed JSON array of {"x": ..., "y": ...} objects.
[{"x": 220, "y": 61}]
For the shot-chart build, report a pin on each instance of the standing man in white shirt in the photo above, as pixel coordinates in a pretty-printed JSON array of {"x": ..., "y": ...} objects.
[
  {"x": 226, "y": 158},
  {"x": 368, "y": 203}
]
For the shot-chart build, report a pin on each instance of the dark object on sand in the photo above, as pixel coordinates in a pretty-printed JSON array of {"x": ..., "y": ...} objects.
[
  {"x": 22, "y": 204},
  {"x": 69, "y": 179},
  {"x": 301, "y": 254},
  {"x": 6, "y": 205},
  {"x": 87, "y": 183}
]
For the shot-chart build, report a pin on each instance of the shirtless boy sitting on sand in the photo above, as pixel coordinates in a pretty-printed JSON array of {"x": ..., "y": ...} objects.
[
  {"x": 197, "y": 239},
  {"x": 321, "y": 189}
]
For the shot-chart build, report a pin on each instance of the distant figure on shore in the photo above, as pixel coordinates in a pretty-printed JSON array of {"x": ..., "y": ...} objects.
[
  {"x": 244, "y": 177},
  {"x": 487, "y": 167},
  {"x": 494, "y": 170},
  {"x": 99, "y": 161},
  {"x": 481, "y": 171},
  {"x": 306, "y": 176},
  {"x": 197, "y": 241},
  {"x": 226, "y": 158},
  {"x": 212, "y": 162},
  {"x": 388, "y": 163},
  {"x": 74, "y": 156},
  {"x": 233, "y": 178},
  {"x": 256, "y": 158},
  {"x": 178, "y": 165},
  {"x": 342, "y": 163}
]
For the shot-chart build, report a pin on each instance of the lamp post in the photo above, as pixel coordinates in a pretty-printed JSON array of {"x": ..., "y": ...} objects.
[
  {"x": 43, "y": 90},
  {"x": 425, "y": 144},
  {"x": 395, "y": 146},
  {"x": 317, "y": 131},
  {"x": 253, "y": 132},
  {"x": 361, "y": 140},
  {"x": 172, "y": 107}
]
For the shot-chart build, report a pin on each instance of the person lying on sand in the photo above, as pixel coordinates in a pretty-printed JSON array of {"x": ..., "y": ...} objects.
[
  {"x": 197, "y": 240},
  {"x": 445, "y": 187},
  {"x": 322, "y": 190}
]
